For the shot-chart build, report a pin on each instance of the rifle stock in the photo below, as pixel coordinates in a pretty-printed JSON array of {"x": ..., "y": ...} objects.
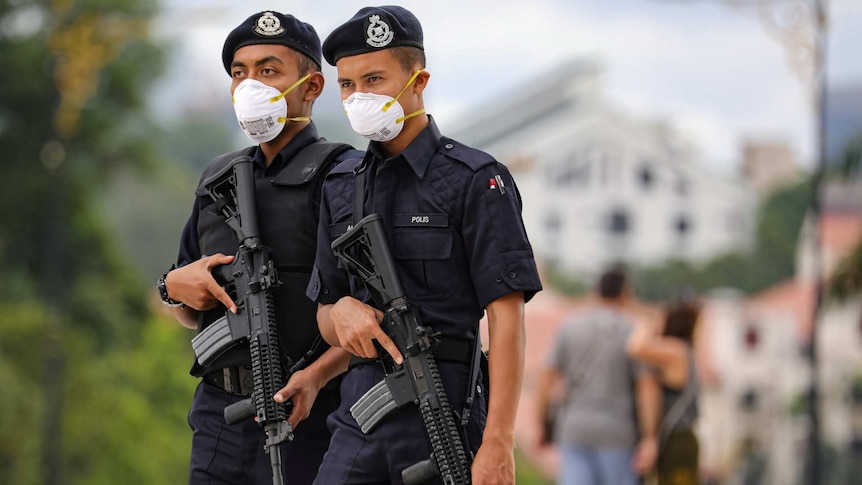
[{"x": 364, "y": 251}]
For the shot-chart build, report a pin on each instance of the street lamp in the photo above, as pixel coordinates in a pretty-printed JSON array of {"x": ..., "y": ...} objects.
[{"x": 802, "y": 28}]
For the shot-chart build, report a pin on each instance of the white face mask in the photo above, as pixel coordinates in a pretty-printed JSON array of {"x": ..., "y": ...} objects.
[
  {"x": 261, "y": 110},
  {"x": 376, "y": 116}
]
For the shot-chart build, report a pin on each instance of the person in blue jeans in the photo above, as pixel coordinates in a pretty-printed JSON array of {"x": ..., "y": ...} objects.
[{"x": 605, "y": 425}]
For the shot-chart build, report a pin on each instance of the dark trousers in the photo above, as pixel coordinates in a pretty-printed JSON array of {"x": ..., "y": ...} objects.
[
  {"x": 397, "y": 442},
  {"x": 224, "y": 454},
  {"x": 678, "y": 461}
]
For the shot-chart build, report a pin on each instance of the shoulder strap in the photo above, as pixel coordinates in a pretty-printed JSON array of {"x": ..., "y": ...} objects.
[
  {"x": 686, "y": 398},
  {"x": 307, "y": 163},
  {"x": 359, "y": 174}
]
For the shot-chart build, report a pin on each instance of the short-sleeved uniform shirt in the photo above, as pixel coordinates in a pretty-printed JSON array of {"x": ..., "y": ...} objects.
[{"x": 453, "y": 218}]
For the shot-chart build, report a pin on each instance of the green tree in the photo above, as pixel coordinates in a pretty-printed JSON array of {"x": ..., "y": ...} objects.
[
  {"x": 770, "y": 261},
  {"x": 846, "y": 282},
  {"x": 97, "y": 388}
]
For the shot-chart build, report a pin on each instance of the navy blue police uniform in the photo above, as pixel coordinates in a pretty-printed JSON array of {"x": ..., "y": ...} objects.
[
  {"x": 287, "y": 193},
  {"x": 452, "y": 215},
  {"x": 287, "y": 207}
]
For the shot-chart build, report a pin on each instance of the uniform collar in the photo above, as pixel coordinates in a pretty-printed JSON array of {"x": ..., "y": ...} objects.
[
  {"x": 418, "y": 153},
  {"x": 306, "y": 137}
]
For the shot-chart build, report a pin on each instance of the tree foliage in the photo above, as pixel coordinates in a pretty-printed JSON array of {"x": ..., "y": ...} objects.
[
  {"x": 771, "y": 260},
  {"x": 846, "y": 282},
  {"x": 96, "y": 385}
]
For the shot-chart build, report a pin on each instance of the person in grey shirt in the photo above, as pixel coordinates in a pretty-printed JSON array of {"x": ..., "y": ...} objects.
[{"x": 607, "y": 405}]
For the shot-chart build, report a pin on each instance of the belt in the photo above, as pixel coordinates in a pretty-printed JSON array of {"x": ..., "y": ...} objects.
[
  {"x": 447, "y": 349},
  {"x": 235, "y": 380}
]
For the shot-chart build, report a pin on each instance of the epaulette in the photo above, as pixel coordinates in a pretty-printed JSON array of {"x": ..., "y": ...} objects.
[
  {"x": 346, "y": 166},
  {"x": 472, "y": 157}
]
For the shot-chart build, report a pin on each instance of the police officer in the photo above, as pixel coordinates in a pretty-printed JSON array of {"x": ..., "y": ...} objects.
[
  {"x": 274, "y": 61},
  {"x": 453, "y": 220}
]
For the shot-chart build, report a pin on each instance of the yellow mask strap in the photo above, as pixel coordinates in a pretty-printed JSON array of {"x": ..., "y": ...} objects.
[
  {"x": 298, "y": 118},
  {"x": 284, "y": 93},
  {"x": 289, "y": 89},
  {"x": 407, "y": 117},
  {"x": 389, "y": 104}
]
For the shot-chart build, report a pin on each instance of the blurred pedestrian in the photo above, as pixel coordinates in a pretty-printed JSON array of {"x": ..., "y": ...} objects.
[
  {"x": 606, "y": 424},
  {"x": 668, "y": 349}
]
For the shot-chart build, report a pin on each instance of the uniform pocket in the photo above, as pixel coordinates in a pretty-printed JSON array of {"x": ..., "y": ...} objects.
[{"x": 424, "y": 259}]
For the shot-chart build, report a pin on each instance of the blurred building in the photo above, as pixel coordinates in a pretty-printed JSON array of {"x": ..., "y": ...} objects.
[
  {"x": 768, "y": 165},
  {"x": 600, "y": 186},
  {"x": 843, "y": 118},
  {"x": 752, "y": 362},
  {"x": 755, "y": 369}
]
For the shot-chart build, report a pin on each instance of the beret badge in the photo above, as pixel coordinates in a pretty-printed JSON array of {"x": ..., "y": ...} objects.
[
  {"x": 268, "y": 25},
  {"x": 378, "y": 34}
]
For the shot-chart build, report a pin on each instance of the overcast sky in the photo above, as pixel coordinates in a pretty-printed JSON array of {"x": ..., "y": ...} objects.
[{"x": 712, "y": 70}]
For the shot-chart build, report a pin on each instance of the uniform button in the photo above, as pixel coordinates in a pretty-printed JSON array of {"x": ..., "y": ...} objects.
[
  {"x": 499, "y": 280},
  {"x": 449, "y": 146},
  {"x": 326, "y": 291},
  {"x": 316, "y": 286},
  {"x": 512, "y": 275}
]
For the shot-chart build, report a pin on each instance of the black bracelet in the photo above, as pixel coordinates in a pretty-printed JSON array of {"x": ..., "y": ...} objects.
[{"x": 163, "y": 291}]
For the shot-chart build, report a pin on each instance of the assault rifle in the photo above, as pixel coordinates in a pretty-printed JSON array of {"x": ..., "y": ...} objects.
[
  {"x": 250, "y": 280},
  {"x": 365, "y": 253}
]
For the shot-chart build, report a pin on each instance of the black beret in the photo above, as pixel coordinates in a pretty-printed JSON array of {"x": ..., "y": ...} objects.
[
  {"x": 372, "y": 29},
  {"x": 272, "y": 28}
]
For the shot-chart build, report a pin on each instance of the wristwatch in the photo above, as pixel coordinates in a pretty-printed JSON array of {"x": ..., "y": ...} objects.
[{"x": 163, "y": 292}]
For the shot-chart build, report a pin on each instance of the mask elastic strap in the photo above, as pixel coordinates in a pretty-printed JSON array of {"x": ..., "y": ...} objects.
[
  {"x": 298, "y": 118},
  {"x": 289, "y": 89},
  {"x": 389, "y": 104},
  {"x": 415, "y": 113}
]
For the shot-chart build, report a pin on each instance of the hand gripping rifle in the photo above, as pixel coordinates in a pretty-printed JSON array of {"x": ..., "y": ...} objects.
[
  {"x": 250, "y": 279},
  {"x": 365, "y": 253}
]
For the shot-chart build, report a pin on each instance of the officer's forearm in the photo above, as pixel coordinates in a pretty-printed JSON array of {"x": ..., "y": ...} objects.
[
  {"x": 330, "y": 364},
  {"x": 506, "y": 366},
  {"x": 324, "y": 324},
  {"x": 187, "y": 316}
]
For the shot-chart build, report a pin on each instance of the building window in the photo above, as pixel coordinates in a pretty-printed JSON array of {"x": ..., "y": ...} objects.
[
  {"x": 646, "y": 177},
  {"x": 682, "y": 225},
  {"x": 619, "y": 223},
  {"x": 574, "y": 170},
  {"x": 751, "y": 338},
  {"x": 749, "y": 400}
]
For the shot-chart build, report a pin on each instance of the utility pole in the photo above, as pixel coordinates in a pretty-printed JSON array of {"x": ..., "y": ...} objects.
[
  {"x": 802, "y": 27},
  {"x": 820, "y": 88}
]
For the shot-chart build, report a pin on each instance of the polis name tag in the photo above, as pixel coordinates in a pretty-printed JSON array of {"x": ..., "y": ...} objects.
[{"x": 425, "y": 220}]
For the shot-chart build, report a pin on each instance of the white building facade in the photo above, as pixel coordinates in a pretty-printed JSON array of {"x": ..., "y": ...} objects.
[{"x": 599, "y": 187}]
